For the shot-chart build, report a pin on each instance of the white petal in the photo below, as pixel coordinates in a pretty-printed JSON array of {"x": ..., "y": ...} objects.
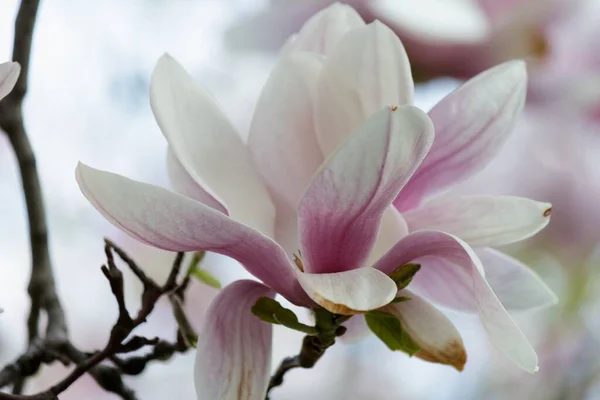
[
  {"x": 367, "y": 71},
  {"x": 322, "y": 32},
  {"x": 183, "y": 183},
  {"x": 282, "y": 136},
  {"x": 233, "y": 356},
  {"x": 393, "y": 228},
  {"x": 173, "y": 222},
  {"x": 349, "y": 292},
  {"x": 431, "y": 330},
  {"x": 471, "y": 126},
  {"x": 517, "y": 286},
  {"x": 482, "y": 220},
  {"x": 427, "y": 248},
  {"x": 9, "y": 74},
  {"x": 207, "y": 145},
  {"x": 340, "y": 214}
]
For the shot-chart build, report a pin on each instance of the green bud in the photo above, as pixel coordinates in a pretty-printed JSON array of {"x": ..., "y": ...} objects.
[
  {"x": 389, "y": 329},
  {"x": 400, "y": 299},
  {"x": 205, "y": 277},
  {"x": 403, "y": 275}
]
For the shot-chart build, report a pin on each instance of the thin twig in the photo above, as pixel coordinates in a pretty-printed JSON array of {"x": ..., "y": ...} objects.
[
  {"x": 109, "y": 378},
  {"x": 42, "y": 289},
  {"x": 313, "y": 347},
  {"x": 55, "y": 344}
]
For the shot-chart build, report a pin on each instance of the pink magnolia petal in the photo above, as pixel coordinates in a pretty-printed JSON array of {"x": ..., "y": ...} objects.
[
  {"x": 393, "y": 228},
  {"x": 356, "y": 330},
  {"x": 471, "y": 125},
  {"x": 517, "y": 286},
  {"x": 169, "y": 221},
  {"x": 368, "y": 70},
  {"x": 207, "y": 145},
  {"x": 9, "y": 74},
  {"x": 233, "y": 356},
  {"x": 286, "y": 227},
  {"x": 482, "y": 220},
  {"x": 424, "y": 247},
  {"x": 446, "y": 283},
  {"x": 349, "y": 292},
  {"x": 183, "y": 183},
  {"x": 435, "y": 334},
  {"x": 322, "y": 32},
  {"x": 340, "y": 213},
  {"x": 282, "y": 137}
]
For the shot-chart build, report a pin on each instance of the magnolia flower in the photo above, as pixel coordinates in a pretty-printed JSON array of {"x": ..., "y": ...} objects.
[
  {"x": 9, "y": 73},
  {"x": 313, "y": 204}
]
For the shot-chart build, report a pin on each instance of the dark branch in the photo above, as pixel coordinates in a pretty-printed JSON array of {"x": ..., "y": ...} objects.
[
  {"x": 42, "y": 290},
  {"x": 313, "y": 347},
  {"x": 55, "y": 345},
  {"x": 119, "y": 342}
]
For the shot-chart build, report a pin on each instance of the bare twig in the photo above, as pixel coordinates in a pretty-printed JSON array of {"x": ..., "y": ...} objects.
[
  {"x": 109, "y": 378},
  {"x": 55, "y": 344},
  {"x": 42, "y": 290},
  {"x": 313, "y": 347}
]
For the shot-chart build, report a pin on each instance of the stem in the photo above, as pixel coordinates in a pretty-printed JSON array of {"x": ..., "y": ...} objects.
[{"x": 329, "y": 326}]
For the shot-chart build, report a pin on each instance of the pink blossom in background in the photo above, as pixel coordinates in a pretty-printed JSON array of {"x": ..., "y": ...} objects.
[
  {"x": 569, "y": 77},
  {"x": 553, "y": 156},
  {"x": 457, "y": 38},
  {"x": 333, "y": 143},
  {"x": 461, "y": 38}
]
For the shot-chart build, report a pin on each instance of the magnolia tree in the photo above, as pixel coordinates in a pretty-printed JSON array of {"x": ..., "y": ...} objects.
[{"x": 335, "y": 203}]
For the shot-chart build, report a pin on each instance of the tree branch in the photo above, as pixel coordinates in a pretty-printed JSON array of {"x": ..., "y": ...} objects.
[
  {"x": 313, "y": 348},
  {"x": 55, "y": 344},
  {"x": 109, "y": 378},
  {"x": 42, "y": 289}
]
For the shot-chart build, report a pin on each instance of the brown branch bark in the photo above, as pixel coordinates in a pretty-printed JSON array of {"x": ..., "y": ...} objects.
[
  {"x": 313, "y": 348},
  {"x": 109, "y": 378},
  {"x": 42, "y": 288}
]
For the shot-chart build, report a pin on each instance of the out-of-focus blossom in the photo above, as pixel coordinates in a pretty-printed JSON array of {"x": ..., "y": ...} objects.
[
  {"x": 457, "y": 38},
  {"x": 569, "y": 77},
  {"x": 9, "y": 73},
  {"x": 312, "y": 204},
  {"x": 461, "y": 38},
  {"x": 552, "y": 156}
]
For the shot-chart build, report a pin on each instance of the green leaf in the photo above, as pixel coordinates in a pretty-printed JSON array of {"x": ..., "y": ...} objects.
[
  {"x": 404, "y": 275},
  {"x": 205, "y": 277},
  {"x": 201, "y": 274},
  {"x": 389, "y": 329},
  {"x": 198, "y": 256},
  {"x": 400, "y": 299},
  {"x": 271, "y": 311}
]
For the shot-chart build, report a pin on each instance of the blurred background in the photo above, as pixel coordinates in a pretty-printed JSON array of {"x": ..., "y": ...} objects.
[{"x": 88, "y": 101}]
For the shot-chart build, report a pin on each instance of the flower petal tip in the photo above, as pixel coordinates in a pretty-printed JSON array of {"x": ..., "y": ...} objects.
[
  {"x": 454, "y": 354},
  {"x": 350, "y": 292},
  {"x": 9, "y": 75},
  {"x": 547, "y": 212},
  {"x": 165, "y": 57},
  {"x": 14, "y": 68}
]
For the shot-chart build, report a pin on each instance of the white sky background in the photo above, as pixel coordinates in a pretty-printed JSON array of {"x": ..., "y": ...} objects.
[{"x": 88, "y": 100}]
